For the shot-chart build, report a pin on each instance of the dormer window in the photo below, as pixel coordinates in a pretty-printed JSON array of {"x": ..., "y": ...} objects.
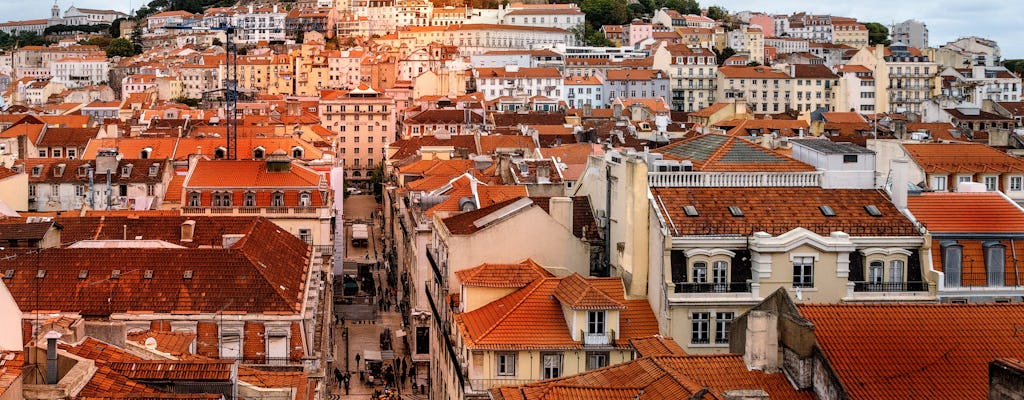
[
  {"x": 126, "y": 170},
  {"x": 277, "y": 200},
  {"x": 305, "y": 199},
  {"x": 258, "y": 153},
  {"x": 220, "y": 153},
  {"x": 37, "y": 170},
  {"x": 154, "y": 169},
  {"x": 596, "y": 322},
  {"x": 297, "y": 152},
  {"x": 144, "y": 154}
]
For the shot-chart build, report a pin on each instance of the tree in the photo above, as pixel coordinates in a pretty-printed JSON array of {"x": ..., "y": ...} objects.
[
  {"x": 1016, "y": 66},
  {"x": 753, "y": 64},
  {"x": 120, "y": 47},
  {"x": 188, "y": 101},
  {"x": 684, "y": 7},
  {"x": 99, "y": 41},
  {"x": 137, "y": 36},
  {"x": 721, "y": 56},
  {"x": 877, "y": 34},
  {"x": 593, "y": 37},
  {"x": 717, "y": 13},
  {"x": 605, "y": 12},
  {"x": 115, "y": 28}
]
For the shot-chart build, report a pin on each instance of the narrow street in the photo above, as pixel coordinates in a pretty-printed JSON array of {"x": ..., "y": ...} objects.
[{"x": 368, "y": 330}]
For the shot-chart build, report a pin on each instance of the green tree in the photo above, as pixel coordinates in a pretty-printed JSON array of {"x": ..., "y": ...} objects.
[
  {"x": 724, "y": 54},
  {"x": 99, "y": 41},
  {"x": 115, "y": 28},
  {"x": 120, "y": 47},
  {"x": 137, "y": 36},
  {"x": 1016, "y": 66},
  {"x": 593, "y": 37},
  {"x": 605, "y": 12},
  {"x": 753, "y": 64},
  {"x": 188, "y": 101},
  {"x": 683, "y": 6},
  {"x": 877, "y": 34},
  {"x": 717, "y": 13},
  {"x": 216, "y": 42}
]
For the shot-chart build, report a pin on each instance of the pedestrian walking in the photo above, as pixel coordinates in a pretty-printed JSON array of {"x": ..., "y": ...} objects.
[{"x": 357, "y": 360}]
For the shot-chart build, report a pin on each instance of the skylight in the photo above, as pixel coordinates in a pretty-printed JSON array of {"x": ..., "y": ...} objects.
[
  {"x": 83, "y": 274},
  {"x": 827, "y": 211},
  {"x": 872, "y": 210},
  {"x": 735, "y": 211},
  {"x": 690, "y": 211}
]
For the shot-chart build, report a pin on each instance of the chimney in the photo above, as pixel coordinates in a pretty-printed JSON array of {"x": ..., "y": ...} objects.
[
  {"x": 51, "y": 357},
  {"x": 899, "y": 183},
  {"x": 762, "y": 344},
  {"x": 188, "y": 230},
  {"x": 561, "y": 210}
]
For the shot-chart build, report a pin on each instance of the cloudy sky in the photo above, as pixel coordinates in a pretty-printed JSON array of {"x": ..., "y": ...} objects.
[{"x": 946, "y": 19}]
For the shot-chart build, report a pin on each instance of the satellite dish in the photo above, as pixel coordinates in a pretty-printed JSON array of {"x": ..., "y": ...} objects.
[{"x": 151, "y": 343}]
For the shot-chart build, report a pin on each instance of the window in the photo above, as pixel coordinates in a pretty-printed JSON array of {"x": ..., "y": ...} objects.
[
  {"x": 700, "y": 272},
  {"x": 230, "y": 345},
  {"x": 964, "y": 178},
  {"x": 991, "y": 183},
  {"x": 803, "y": 272},
  {"x": 79, "y": 190},
  {"x": 506, "y": 364},
  {"x": 150, "y": 189},
  {"x": 54, "y": 189},
  {"x": 596, "y": 360},
  {"x": 1016, "y": 183},
  {"x": 249, "y": 200},
  {"x": 939, "y": 183},
  {"x": 720, "y": 275},
  {"x": 306, "y": 236},
  {"x": 896, "y": 271},
  {"x": 849, "y": 158},
  {"x": 951, "y": 262},
  {"x": 995, "y": 263},
  {"x": 56, "y": 153},
  {"x": 595, "y": 322},
  {"x": 222, "y": 199},
  {"x": 305, "y": 199},
  {"x": 258, "y": 153},
  {"x": 194, "y": 199},
  {"x": 875, "y": 272},
  {"x": 552, "y": 365},
  {"x": 277, "y": 349},
  {"x": 42, "y": 153},
  {"x": 277, "y": 200},
  {"x": 723, "y": 323},
  {"x": 699, "y": 326},
  {"x": 422, "y": 340}
]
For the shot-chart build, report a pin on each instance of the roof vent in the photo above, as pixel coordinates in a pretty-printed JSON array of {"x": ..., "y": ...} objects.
[
  {"x": 188, "y": 274},
  {"x": 827, "y": 211},
  {"x": 872, "y": 210},
  {"x": 148, "y": 274},
  {"x": 9, "y": 274},
  {"x": 115, "y": 274},
  {"x": 690, "y": 211},
  {"x": 735, "y": 211},
  {"x": 40, "y": 273},
  {"x": 83, "y": 274}
]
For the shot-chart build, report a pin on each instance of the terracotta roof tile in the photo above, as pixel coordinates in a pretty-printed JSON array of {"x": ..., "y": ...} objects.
[
  {"x": 912, "y": 351},
  {"x": 11, "y": 366},
  {"x": 174, "y": 343},
  {"x": 249, "y": 174},
  {"x": 574, "y": 291},
  {"x": 953, "y": 158},
  {"x": 167, "y": 370},
  {"x": 714, "y": 152},
  {"x": 777, "y": 210},
  {"x": 656, "y": 345},
  {"x": 503, "y": 275},
  {"x": 989, "y": 212}
]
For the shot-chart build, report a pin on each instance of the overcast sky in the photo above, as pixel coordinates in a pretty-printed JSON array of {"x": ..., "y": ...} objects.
[{"x": 946, "y": 19}]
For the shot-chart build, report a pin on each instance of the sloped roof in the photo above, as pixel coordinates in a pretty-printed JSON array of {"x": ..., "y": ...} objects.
[
  {"x": 249, "y": 174},
  {"x": 263, "y": 273},
  {"x": 503, "y": 275},
  {"x": 729, "y": 153},
  {"x": 912, "y": 351},
  {"x": 656, "y": 345},
  {"x": 174, "y": 343},
  {"x": 777, "y": 210},
  {"x": 583, "y": 221},
  {"x": 659, "y": 377},
  {"x": 944, "y": 212},
  {"x": 956, "y": 158},
  {"x": 575, "y": 292},
  {"x": 174, "y": 370},
  {"x": 532, "y": 318}
]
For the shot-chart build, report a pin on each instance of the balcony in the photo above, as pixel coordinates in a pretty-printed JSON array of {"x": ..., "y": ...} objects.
[
  {"x": 981, "y": 281},
  {"x": 598, "y": 339},
  {"x": 483, "y": 385},
  {"x": 731, "y": 287},
  {"x": 269, "y": 212},
  {"x": 734, "y": 179},
  {"x": 890, "y": 286}
]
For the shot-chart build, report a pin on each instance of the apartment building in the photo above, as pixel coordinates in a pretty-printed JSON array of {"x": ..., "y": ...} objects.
[
  {"x": 515, "y": 81},
  {"x": 904, "y": 77},
  {"x": 691, "y": 73},
  {"x": 363, "y": 120},
  {"x": 765, "y": 90},
  {"x": 76, "y": 72}
]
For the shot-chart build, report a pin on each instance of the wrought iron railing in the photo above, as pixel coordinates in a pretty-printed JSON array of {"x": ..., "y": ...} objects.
[
  {"x": 890, "y": 286},
  {"x": 730, "y": 287}
]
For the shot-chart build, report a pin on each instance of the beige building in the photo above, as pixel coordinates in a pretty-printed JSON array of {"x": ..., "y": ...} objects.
[
  {"x": 363, "y": 120},
  {"x": 13, "y": 190},
  {"x": 691, "y": 72},
  {"x": 765, "y": 90},
  {"x": 904, "y": 78}
]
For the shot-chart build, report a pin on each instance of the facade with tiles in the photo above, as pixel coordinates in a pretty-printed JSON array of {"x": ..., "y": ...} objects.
[
  {"x": 240, "y": 286},
  {"x": 710, "y": 227}
]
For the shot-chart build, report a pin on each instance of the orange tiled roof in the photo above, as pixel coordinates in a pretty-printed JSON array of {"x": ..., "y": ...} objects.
[
  {"x": 957, "y": 158},
  {"x": 576, "y": 292},
  {"x": 11, "y": 367},
  {"x": 175, "y": 370},
  {"x": 531, "y": 318},
  {"x": 709, "y": 110},
  {"x": 246, "y": 173},
  {"x": 269, "y": 379},
  {"x": 174, "y": 343},
  {"x": 503, "y": 275},
  {"x": 656, "y": 345},
  {"x": 989, "y": 212},
  {"x": 777, "y": 210},
  {"x": 659, "y": 377},
  {"x": 912, "y": 351}
]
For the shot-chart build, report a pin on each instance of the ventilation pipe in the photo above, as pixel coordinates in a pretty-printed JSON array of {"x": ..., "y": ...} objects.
[{"x": 51, "y": 357}]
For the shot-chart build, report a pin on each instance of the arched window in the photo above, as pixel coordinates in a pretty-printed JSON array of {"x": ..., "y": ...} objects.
[
  {"x": 277, "y": 200},
  {"x": 220, "y": 153},
  {"x": 700, "y": 272},
  {"x": 144, "y": 154},
  {"x": 258, "y": 153},
  {"x": 297, "y": 152},
  {"x": 875, "y": 270},
  {"x": 250, "y": 199},
  {"x": 305, "y": 200}
]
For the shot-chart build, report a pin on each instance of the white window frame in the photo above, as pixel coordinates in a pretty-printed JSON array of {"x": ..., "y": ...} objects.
[
  {"x": 505, "y": 362},
  {"x": 938, "y": 183},
  {"x": 1016, "y": 183},
  {"x": 991, "y": 183},
  {"x": 723, "y": 326},
  {"x": 806, "y": 274},
  {"x": 700, "y": 327}
]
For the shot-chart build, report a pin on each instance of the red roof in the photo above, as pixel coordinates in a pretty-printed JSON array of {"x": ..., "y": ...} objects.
[
  {"x": 503, "y": 275},
  {"x": 958, "y": 158},
  {"x": 989, "y": 212},
  {"x": 911, "y": 351},
  {"x": 249, "y": 174}
]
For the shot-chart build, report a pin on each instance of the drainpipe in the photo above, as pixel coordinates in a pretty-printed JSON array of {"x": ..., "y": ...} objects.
[{"x": 608, "y": 217}]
